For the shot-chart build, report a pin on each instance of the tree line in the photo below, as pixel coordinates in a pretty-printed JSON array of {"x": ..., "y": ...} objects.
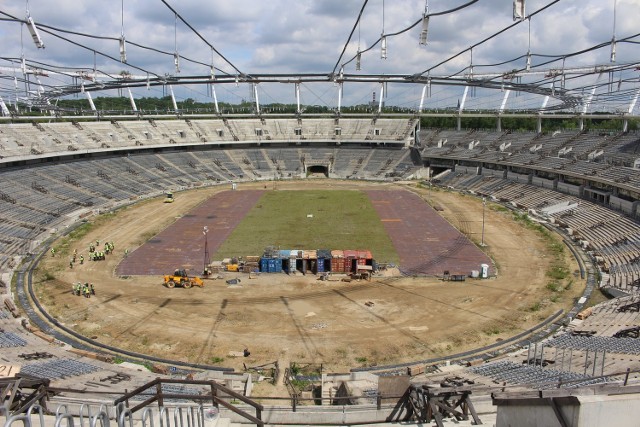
[{"x": 163, "y": 105}]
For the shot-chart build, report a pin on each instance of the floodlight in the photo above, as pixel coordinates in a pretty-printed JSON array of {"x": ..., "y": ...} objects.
[
  {"x": 123, "y": 50},
  {"x": 528, "y": 67},
  {"x": 358, "y": 58},
  {"x": 34, "y": 33},
  {"x": 176, "y": 61},
  {"x": 383, "y": 47},
  {"x": 518, "y": 10},
  {"x": 425, "y": 30}
]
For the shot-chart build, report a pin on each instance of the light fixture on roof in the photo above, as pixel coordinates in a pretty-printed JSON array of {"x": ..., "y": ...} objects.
[
  {"x": 383, "y": 47},
  {"x": 123, "y": 50},
  {"x": 518, "y": 10},
  {"x": 425, "y": 30},
  {"x": 176, "y": 56},
  {"x": 425, "y": 24},
  {"x": 35, "y": 35},
  {"x": 613, "y": 37},
  {"x": 613, "y": 49},
  {"x": 383, "y": 38},
  {"x": 176, "y": 61},
  {"x": 123, "y": 47}
]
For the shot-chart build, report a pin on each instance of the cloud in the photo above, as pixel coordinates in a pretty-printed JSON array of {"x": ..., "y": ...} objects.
[{"x": 307, "y": 36}]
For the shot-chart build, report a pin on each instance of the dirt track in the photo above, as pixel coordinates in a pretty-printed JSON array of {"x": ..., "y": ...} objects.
[{"x": 284, "y": 318}]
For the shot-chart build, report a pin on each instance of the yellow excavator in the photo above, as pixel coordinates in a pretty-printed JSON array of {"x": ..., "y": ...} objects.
[{"x": 181, "y": 278}]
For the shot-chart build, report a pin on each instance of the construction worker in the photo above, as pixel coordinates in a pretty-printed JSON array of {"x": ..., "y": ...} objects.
[
  {"x": 92, "y": 289},
  {"x": 126, "y": 252},
  {"x": 97, "y": 243},
  {"x": 71, "y": 263},
  {"x": 81, "y": 260},
  {"x": 53, "y": 252}
]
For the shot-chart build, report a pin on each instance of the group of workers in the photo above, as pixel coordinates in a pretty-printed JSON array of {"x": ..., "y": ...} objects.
[
  {"x": 94, "y": 253},
  {"x": 100, "y": 255},
  {"x": 86, "y": 289}
]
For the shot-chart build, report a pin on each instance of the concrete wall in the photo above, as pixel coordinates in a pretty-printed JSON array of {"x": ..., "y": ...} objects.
[
  {"x": 624, "y": 205},
  {"x": 577, "y": 411},
  {"x": 473, "y": 170},
  {"x": 493, "y": 172},
  {"x": 521, "y": 178},
  {"x": 350, "y": 376},
  {"x": 573, "y": 190},
  {"x": 541, "y": 182}
]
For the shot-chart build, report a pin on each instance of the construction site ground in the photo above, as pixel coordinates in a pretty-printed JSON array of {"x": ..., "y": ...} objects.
[{"x": 295, "y": 318}]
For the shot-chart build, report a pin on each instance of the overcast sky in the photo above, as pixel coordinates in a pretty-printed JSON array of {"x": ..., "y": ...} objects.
[{"x": 307, "y": 36}]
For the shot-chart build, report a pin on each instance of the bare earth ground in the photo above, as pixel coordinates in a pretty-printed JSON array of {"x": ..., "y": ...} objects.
[{"x": 279, "y": 317}]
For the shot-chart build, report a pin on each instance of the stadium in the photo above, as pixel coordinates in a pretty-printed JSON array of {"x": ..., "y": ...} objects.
[{"x": 503, "y": 229}]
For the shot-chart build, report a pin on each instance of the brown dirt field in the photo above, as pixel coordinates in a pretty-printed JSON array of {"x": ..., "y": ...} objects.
[{"x": 278, "y": 317}]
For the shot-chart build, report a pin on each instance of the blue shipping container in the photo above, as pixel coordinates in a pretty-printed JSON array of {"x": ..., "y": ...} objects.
[{"x": 264, "y": 265}]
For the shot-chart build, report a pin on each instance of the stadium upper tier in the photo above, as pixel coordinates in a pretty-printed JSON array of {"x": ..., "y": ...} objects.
[
  {"x": 37, "y": 140},
  {"x": 603, "y": 161}
]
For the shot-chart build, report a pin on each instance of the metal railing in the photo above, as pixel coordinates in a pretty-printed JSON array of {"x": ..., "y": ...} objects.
[{"x": 214, "y": 395}]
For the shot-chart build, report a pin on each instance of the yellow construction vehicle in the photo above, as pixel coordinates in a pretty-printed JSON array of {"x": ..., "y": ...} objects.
[
  {"x": 181, "y": 278},
  {"x": 231, "y": 264},
  {"x": 168, "y": 197}
]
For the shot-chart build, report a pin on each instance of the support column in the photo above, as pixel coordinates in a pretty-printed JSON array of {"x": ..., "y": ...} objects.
[
  {"x": 461, "y": 107},
  {"x": 173, "y": 99},
  {"x": 132, "y": 101},
  {"x": 255, "y": 94},
  {"x": 215, "y": 98},
  {"x": 424, "y": 91},
  {"x": 539, "y": 124},
  {"x": 91, "y": 104},
  {"x": 3, "y": 108}
]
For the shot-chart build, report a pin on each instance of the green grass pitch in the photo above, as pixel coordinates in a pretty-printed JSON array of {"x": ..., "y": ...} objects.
[{"x": 341, "y": 219}]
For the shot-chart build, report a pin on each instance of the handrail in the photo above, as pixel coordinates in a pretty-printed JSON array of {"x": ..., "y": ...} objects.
[{"x": 159, "y": 396}]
